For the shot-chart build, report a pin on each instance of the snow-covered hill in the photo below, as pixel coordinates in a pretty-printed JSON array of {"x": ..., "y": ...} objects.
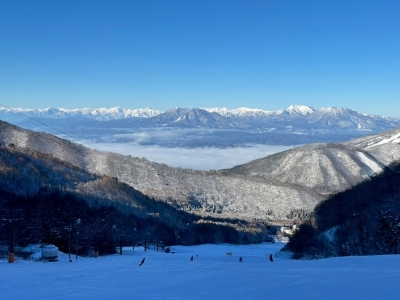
[
  {"x": 371, "y": 141},
  {"x": 327, "y": 168},
  {"x": 274, "y": 187}
]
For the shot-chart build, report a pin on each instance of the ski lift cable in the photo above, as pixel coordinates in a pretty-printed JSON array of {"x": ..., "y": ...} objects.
[
  {"x": 32, "y": 120},
  {"x": 29, "y": 119}
]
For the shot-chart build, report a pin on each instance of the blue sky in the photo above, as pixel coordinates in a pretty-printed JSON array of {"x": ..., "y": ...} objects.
[{"x": 162, "y": 54}]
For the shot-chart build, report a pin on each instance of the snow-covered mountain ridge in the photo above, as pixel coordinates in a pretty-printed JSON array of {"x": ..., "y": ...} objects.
[
  {"x": 276, "y": 187},
  {"x": 203, "y": 128},
  {"x": 244, "y": 112},
  {"x": 295, "y": 119},
  {"x": 122, "y": 113},
  {"x": 101, "y": 114}
]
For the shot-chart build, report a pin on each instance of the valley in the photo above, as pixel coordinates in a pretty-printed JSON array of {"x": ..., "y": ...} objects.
[{"x": 274, "y": 188}]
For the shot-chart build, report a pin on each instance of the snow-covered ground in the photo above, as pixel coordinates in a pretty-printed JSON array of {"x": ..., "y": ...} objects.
[{"x": 211, "y": 275}]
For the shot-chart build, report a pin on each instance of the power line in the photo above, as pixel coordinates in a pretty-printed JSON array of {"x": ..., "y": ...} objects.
[
  {"x": 43, "y": 136},
  {"x": 37, "y": 122},
  {"x": 55, "y": 140},
  {"x": 78, "y": 142}
]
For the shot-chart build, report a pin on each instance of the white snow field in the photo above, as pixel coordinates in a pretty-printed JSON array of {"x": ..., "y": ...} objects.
[{"x": 211, "y": 275}]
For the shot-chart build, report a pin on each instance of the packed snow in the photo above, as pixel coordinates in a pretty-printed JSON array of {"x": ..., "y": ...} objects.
[{"x": 214, "y": 273}]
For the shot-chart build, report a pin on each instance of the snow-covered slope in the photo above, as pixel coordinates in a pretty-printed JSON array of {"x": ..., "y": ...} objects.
[
  {"x": 207, "y": 192},
  {"x": 385, "y": 146},
  {"x": 323, "y": 168},
  {"x": 327, "y": 168},
  {"x": 272, "y": 187},
  {"x": 371, "y": 141},
  {"x": 212, "y": 275}
]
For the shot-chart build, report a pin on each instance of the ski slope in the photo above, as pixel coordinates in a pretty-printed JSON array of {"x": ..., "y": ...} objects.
[{"x": 211, "y": 275}]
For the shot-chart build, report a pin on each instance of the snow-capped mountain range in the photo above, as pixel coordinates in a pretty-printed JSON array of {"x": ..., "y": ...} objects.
[
  {"x": 121, "y": 113},
  {"x": 244, "y": 112},
  {"x": 101, "y": 114},
  {"x": 298, "y": 124},
  {"x": 118, "y": 113}
]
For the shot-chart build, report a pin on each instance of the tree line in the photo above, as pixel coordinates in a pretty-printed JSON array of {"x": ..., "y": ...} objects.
[{"x": 66, "y": 220}]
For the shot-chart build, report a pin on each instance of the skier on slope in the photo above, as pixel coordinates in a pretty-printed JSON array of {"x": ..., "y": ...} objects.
[{"x": 142, "y": 262}]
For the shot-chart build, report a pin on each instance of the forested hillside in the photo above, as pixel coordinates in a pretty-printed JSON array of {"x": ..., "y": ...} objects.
[
  {"x": 363, "y": 220},
  {"x": 47, "y": 197},
  {"x": 215, "y": 193}
]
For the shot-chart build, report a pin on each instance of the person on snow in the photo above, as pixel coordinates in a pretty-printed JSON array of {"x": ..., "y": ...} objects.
[
  {"x": 191, "y": 259},
  {"x": 142, "y": 262},
  {"x": 240, "y": 259},
  {"x": 271, "y": 259}
]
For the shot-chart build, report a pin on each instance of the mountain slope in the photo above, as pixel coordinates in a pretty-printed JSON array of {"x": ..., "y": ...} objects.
[
  {"x": 204, "y": 192},
  {"x": 361, "y": 221},
  {"x": 273, "y": 187},
  {"x": 325, "y": 168},
  {"x": 24, "y": 171},
  {"x": 343, "y": 118},
  {"x": 328, "y": 168},
  {"x": 192, "y": 118},
  {"x": 384, "y": 146},
  {"x": 46, "y": 194}
]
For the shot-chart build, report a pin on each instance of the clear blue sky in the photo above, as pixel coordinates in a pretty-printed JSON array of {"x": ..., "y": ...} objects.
[{"x": 161, "y": 54}]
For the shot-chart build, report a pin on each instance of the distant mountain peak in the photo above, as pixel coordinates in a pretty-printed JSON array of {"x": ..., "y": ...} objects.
[
  {"x": 337, "y": 110},
  {"x": 300, "y": 109},
  {"x": 241, "y": 112}
]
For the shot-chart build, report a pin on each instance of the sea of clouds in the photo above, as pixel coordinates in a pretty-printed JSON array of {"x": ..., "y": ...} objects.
[{"x": 202, "y": 158}]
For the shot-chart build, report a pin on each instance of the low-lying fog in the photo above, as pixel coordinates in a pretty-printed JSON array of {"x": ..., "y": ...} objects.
[{"x": 204, "y": 158}]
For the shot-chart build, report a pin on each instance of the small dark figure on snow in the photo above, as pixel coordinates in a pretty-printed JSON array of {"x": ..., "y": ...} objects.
[
  {"x": 240, "y": 259},
  {"x": 191, "y": 259},
  {"x": 142, "y": 262},
  {"x": 271, "y": 258}
]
